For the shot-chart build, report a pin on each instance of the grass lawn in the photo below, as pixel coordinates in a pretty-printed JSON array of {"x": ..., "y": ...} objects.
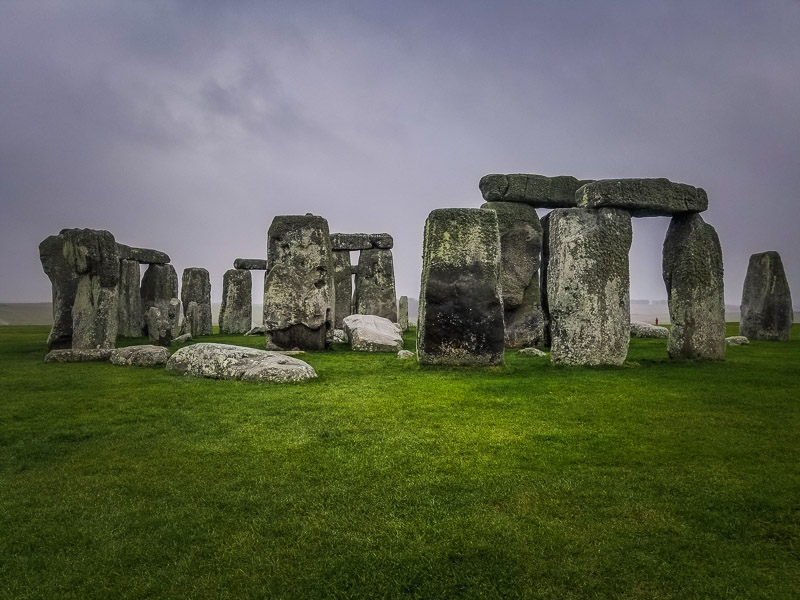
[{"x": 382, "y": 479}]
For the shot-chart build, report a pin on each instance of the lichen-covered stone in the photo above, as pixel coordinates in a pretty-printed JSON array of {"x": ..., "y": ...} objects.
[
  {"x": 402, "y": 313},
  {"x": 196, "y": 287},
  {"x": 460, "y": 306},
  {"x": 374, "y": 291},
  {"x": 588, "y": 286},
  {"x": 343, "y": 285},
  {"x": 143, "y": 256},
  {"x": 159, "y": 286},
  {"x": 640, "y": 329},
  {"x": 140, "y": 356},
  {"x": 219, "y": 361},
  {"x": 299, "y": 298},
  {"x": 520, "y": 250},
  {"x": 350, "y": 241},
  {"x": 767, "y": 312},
  {"x": 693, "y": 275},
  {"x": 250, "y": 264},
  {"x": 130, "y": 316},
  {"x": 643, "y": 197},
  {"x": 537, "y": 191},
  {"x": 64, "y": 285},
  {"x": 236, "y": 311},
  {"x": 159, "y": 328},
  {"x": 736, "y": 340},
  {"x": 405, "y": 354},
  {"x": 192, "y": 320},
  {"x": 69, "y": 355},
  {"x": 381, "y": 241},
  {"x": 340, "y": 337},
  {"x": 370, "y": 333},
  {"x": 182, "y": 339},
  {"x": 531, "y": 352}
]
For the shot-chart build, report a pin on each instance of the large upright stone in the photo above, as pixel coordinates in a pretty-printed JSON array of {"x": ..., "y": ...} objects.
[
  {"x": 236, "y": 312},
  {"x": 159, "y": 287},
  {"x": 63, "y": 284},
  {"x": 588, "y": 286},
  {"x": 298, "y": 285},
  {"x": 93, "y": 256},
  {"x": 130, "y": 314},
  {"x": 343, "y": 284},
  {"x": 402, "y": 313},
  {"x": 643, "y": 197},
  {"x": 537, "y": 191},
  {"x": 545, "y": 221},
  {"x": 520, "y": 249},
  {"x": 460, "y": 308},
  {"x": 767, "y": 312},
  {"x": 375, "y": 292},
  {"x": 196, "y": 287},
  {"x": 692, "y": 268}
]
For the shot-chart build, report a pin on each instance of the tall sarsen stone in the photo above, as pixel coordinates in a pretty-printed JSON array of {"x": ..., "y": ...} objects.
[
  {"x": 375, "y": 292},
  {"x": 130, "y": 315},
  {"x": 196, "y": 287},
  {"x": 64, "y": 284},
  {"x": 767, "y": 312},
  {"x": 343, "y": 284},
  {"x": 236, "y": 311},
  {"x": 159, "y": 286}
]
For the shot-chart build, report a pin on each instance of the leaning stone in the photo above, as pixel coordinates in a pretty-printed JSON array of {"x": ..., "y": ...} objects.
[
  {"x": 250, "y": 264},
  {"x": 531, "y": 352},
  {"x": 350, "y": 241},
  {"x": 130, "y": 314},
  {"x": 144, "y": 256},
  {"x": 182, "y": 339},
  {"x": 64, "y": 285},
  {"x": 460, "y": 306},
  {"x": 381, "y": 241},
  {"x": 536, "y": 190},
  {"x": 299, "y": 296},
  {"x": 402, "y": 313},
  {"x": 405, "y": 354},
  {"x": 736, "y": 340},
  {"x": 159, "y": 328},
  {"x": 257, "y": 330},
  {"x": 375, "y": 292},
  {"x": 693, "y": 274},
  {"x": 140, "y": 356},
  {"x": 196, "y": 287},
  {"x": 767, "y": 312},
  {"x": 643, "y": 197},
  {"x": 219, "y": 361},
  {"x": 343, "y": 285},
  {"x": 236, "y": 311},
  {"x": 370, "y": 333},
  {"x": 640, "y": 329},
  {"x": 588, "y": 286},
  {"x": 78, "y": 355}
]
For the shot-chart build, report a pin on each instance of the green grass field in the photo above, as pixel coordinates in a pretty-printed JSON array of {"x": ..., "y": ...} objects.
[{"x": 382, "y": 479}]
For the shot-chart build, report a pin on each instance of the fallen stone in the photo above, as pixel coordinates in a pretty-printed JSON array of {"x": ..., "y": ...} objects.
[
  {"x": 402, "y": 313},
  {"x": 374, "y": 291},
  {"x": 236, "y": 311},
  {"x": 219, "y": 361},
  {"x": 196, "y": 287},
  {"x": 130, "y": 316},
  {"x": 766, "y": 309},
  {"x": 250, "y": 264},
  {"x": 643, "y": 197},
  {"x": 182, "y": 339},
  {"x": 350, "y": 241},
  {"x": 531, "y": 352},
  {"x": 64, "y": 285},
  {"x": 405, "y": 354},
  {"x": 343, "y": 285},
  {"x": 640, "y": 329},
  {"x": 460, "y": 309},
  {"x": 537, "y": 191},
  {"x": 371, "y": 333},
  {"x": 78, "y": 355},
  {"x": 143, "y": 256},
  {"x": 139, "y": 356},
  {"x": 257, "y": 330},
  {"x": 736, "y": 340}
]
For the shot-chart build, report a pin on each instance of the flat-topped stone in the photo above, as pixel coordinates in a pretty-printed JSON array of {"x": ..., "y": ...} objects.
[
  {"x": 140, "y": 356},
  {"x": 643, "y": 197},
  {"x": 381, "y": 241},
  {"x": 350, "y": 241},
  {"x": 78, "y": 355},
  {"x": 538, "y": 191},
  {"x": 144, "y": 256},
  {"x": 250, "y": 264},
  {"x": 220, "y": 361}
]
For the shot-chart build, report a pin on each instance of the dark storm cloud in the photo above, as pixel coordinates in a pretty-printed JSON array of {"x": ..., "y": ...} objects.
[{"x": 188, "y": 125}]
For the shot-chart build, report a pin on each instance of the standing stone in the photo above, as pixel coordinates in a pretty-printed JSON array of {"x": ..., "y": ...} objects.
[
  {"x": 130, "y": 316},
  {"x": 545, "y": 221},
  {"x": 64, "y": 284},
  {"x": 236, "y": 311},
  {"x": 402, "y": 313},
  {"x": 159, "y": 327},
  {"x": 93, "y": 255},
  {"x": 159, "y": 287},
  {"x": 460, "y": 306},
  {"x": 196, "y": 287},
  {"x": 375, "y": 292},
  {"x": 343, "y": 284},
  {"x": 299, "y": 294},
  {"x": 692, "y": 267},
  {"x": 520, "y": 249},
  {"x": 588, "y": 286},
  {"x": 192, "y": 320},
  {"x": 767, "y": 312}
]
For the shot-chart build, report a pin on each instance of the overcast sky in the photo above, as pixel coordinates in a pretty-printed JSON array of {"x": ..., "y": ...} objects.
[{"x": 187, "y": 126}]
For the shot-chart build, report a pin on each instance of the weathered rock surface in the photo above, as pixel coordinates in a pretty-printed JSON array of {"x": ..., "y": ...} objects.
[
  {"x": 236, "y": 311},
  {"x": 736, "y": 340},
  {"x": 588, "y": 286},
  {"x": 537, "y": 191},
  {"x": 767, "y": 312},
  {"x": 370, "y": 333},
  {"x": 350, "y": 241},
  {"x": 182, "y": 339},
  {"x": 531, "y": 352},
  {"x": 381, "y": 241},
  {"x": 64, "y": 285},
  {"x": 299, "y": 299},
  {"x": 139, "y": 356},
  {"x": 692, "y": 268},
  {"x": 159, "y": 286},
  {"x": 130, "y": 316},
  {"x": 192, "y": 320},
  {"x": 250, "y": 264},
  {"x": 375, "y": 292},
  {"x": 159, "y": 328},
  {"x": 460, "y": 306},
  {"x": 78, "y": 355},
  {"x": 142, "y": 255},
  {"x": 402, "y": 313},
  {"x": 196, "y": 287},
  {"x": 340, "y": 337},
  {"x": 343, "y": 285},
  {"x": 405, "y": 354},
  {"x": 218, "y": 361},
  {"x": 640, "y": 329},
  {"x": 520, "y": 251},
  {"x": 643, "y": 197},
  {"x": 545, "y": 221},
  {"x": 257, "y": 330}
]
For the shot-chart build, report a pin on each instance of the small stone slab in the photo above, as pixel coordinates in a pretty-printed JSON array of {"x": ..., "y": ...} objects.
[
  {"x": 736, "y": 340},
  {"x": 405, "y": 354},
  {"x": 220, "y": 361},
  {"x": 538, "y": 191},
  {"x": 140, "y": 356},
  {"x": 144, "y": 256},
  {"x": 643, "y": 197},
  {"x": 641, "y": 329},
  {"x": 182, "y": 339},
  {"x": 350, "y": 241},
  {"x": 371, "y": 333},
  {"x": 531, "y": 352},
  {"x": 257, "y": 330},
  {"x": 78, "y": 355},
  {"x": 250, "y": 264}
]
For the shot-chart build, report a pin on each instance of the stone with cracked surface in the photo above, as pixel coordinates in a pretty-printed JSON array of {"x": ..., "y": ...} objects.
[
  {"x": 643, "y": 197},
  {"x": 371, "y": 333},
  {"x": 766, "y": 309},
  {"x": 220, "y": 361},
  {"x": 538, "y": 191}
]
